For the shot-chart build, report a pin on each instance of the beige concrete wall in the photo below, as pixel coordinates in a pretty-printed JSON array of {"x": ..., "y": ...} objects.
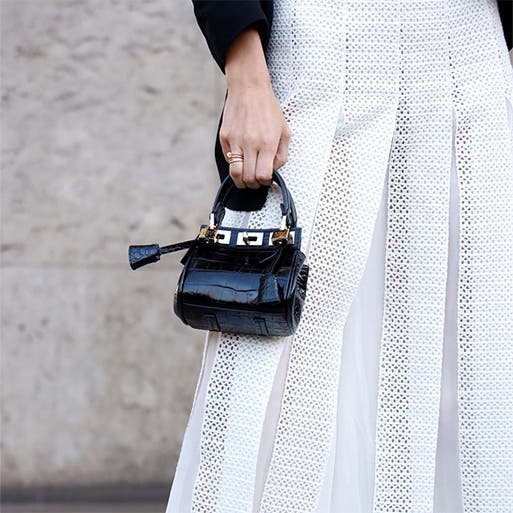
[{"x": 109, "y": 111}]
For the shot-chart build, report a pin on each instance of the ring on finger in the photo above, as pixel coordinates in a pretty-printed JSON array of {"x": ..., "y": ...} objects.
[{"x": 232, "y": 155}]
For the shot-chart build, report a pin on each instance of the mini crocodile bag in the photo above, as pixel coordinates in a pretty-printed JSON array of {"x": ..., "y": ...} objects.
[{"x": 242, "y": 280}]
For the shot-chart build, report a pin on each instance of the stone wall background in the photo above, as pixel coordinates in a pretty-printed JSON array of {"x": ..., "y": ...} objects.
[{"x": 109, "y": 113}]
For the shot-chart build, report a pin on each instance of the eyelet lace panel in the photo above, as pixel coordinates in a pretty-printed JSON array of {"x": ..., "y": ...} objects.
[{"x": 369, "y": 86}]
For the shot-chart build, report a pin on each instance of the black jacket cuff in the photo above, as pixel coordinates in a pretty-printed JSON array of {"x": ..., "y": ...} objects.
[{"x": 222, "y": 21}]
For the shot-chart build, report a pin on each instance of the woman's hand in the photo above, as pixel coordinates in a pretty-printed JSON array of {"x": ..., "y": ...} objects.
[{"x": 253, "y": 122}]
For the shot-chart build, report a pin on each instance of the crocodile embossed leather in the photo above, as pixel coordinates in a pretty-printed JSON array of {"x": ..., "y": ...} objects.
[{"x": 238, "y": 279}]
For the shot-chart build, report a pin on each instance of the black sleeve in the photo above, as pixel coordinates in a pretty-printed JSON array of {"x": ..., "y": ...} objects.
[
  {"x": 506, "y": 12},
  {"x": 222, "y": 20}
]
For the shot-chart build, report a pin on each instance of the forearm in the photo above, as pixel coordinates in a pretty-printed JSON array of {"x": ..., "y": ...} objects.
[{"x": 245, "y": 61}]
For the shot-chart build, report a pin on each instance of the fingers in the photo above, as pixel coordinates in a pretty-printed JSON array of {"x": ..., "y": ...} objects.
[
  {"x": 264, "y": 167},
  {"x": 236, "y": 168},
  {"x": 283, "y": 148},
  {"x": 261, "y": 156},
  {"x": 250, "y": 159}
]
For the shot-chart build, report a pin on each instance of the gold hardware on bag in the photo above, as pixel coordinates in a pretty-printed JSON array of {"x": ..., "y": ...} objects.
[
  {"x": 250, "y": 238},
  {"x": 280, "y": 236},
  {"x": 207, "y": 233}
]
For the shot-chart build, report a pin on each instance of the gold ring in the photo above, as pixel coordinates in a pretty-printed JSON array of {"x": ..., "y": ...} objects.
[
  {"x": 230, "y": 155},
  {"x": 235, "y": 159}
]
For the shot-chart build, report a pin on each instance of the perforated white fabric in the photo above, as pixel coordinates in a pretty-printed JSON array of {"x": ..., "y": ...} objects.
[{"x": 370, "y": 86}]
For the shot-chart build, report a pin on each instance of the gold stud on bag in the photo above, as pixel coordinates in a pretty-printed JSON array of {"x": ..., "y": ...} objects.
[{"x": 242, "y": 280}]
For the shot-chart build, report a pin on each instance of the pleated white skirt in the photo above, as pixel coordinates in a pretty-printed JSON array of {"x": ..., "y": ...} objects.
[
  {"x": 349, "y": 482},
  {"x": 277, "y": 425}
]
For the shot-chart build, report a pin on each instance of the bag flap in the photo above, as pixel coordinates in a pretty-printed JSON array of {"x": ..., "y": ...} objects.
[{"x": 232, "y": 287}]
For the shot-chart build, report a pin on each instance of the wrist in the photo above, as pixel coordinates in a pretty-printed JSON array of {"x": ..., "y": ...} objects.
[{"x": 248, "y": 77}]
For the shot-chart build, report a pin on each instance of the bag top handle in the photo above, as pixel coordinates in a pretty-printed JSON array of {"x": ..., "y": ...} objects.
[{"x": 288, "y": 208}]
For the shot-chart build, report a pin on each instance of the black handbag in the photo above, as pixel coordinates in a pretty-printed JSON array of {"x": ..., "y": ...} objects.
[{"x": 243, "y": 280}]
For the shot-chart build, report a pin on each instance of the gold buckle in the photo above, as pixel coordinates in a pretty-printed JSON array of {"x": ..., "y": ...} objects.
[
  {"x": 250, "y": 238},
  {"x": 208, "y": 233},
  {"x": 280, "y": 236}
]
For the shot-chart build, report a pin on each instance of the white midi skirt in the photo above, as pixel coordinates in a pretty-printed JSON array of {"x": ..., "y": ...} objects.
[
  {"x": 394, "y": 395},
  {"x": 349, "y": 481}
]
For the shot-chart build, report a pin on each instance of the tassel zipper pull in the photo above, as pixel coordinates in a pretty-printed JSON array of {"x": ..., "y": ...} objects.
[{"x": 139, "y": 256}]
